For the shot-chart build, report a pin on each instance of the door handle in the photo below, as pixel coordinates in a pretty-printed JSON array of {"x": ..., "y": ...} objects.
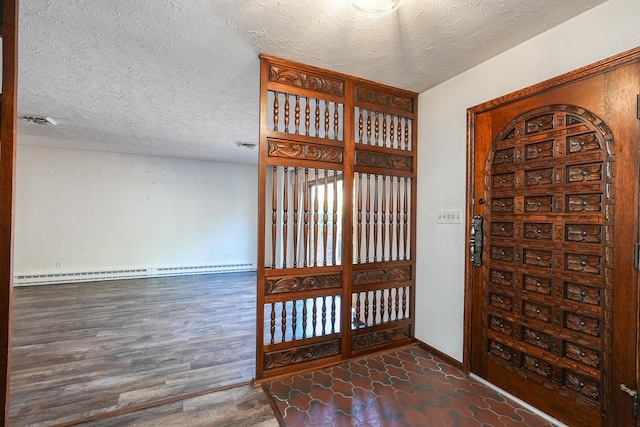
[
  {"x": 634, "y": 396},
  {"x": 476, "y": 241}
]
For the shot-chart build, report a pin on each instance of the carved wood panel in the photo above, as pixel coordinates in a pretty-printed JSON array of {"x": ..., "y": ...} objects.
[
  {"x": 549, "y": 181},
  {"x": 336, "y": 216}
]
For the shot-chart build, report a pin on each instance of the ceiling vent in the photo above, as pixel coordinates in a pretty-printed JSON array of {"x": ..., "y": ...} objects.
[
  {"x": 249, "y": 145},
  {"x": 46, "y": 121}
]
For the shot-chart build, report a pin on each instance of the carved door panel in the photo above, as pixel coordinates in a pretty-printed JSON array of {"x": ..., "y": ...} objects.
[{"x": 555, "y": 299}]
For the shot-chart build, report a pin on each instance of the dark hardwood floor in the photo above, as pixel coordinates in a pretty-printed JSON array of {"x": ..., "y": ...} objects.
[{"x": 90, "y": 348}]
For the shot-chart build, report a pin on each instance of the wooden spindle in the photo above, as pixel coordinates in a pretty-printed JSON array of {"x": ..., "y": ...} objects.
[
  {"x": 325, "y": 217},
  {"x": 404, "y": 303},
  {"x": 406, "y": 134},
  {"x": 384, "y": 129},
  {"x": 367, "y": 216},
  {"x": 374, "y": 307},
  {"x": 392, "y": 133},
  {"x": 317, "y": 121},
  {"x": 333, "y": 314},
  {"x": 389, "y": 304},
  {"x": 305, "y": 218},
  {"x": 358, "y": 243},
  {"x": 307, "y": 116},
  {"x": 398, "y": 217},
  {"x": 294, "y": 320},
  {"x": 368, "y": 112},
  {"x": 326, "y": 119},
  {"x": 358, "y": 308},
  {"x": 375, "y": 219},
  {"x": 314, "y": 317},
  {"x": 400, "y": 131},
  {"x": 382, "y": 305},
  {"x": 384, "y": 216},
  {"x": 304, "y": 318},
  {"x": 324, "y": 315},
  {"x": 285, "y": 216},
  {"x": 297, "y": 115},
  {"x": 390, "y": 222},
  {"x": 377, "y": 129},
  {"x": 336, "y": 121},
  {"x": 360, "y": 125},
  {"x": 405, "y": 219},
  {"x": 272, "y": 328},
  {"x": 315, "y": 219},
  {"x": 276, "y": 111},
  {"x": 334, "y": 246},
  {"x": 295, "y": 217},
  {"x": 287, "y": 111},
  {"x": 283, "y": 325},
  {"x": 366, "y": 309},
  {"x": 396, "y": 298},
  {"x": 274, "y": 217}
]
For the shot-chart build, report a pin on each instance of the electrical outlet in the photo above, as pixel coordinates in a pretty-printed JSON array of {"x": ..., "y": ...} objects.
[
  {"x": 450, "y": 216},
  {"x": 59, "y": 264}
]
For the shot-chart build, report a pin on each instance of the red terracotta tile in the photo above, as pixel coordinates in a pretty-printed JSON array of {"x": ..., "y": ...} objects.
[
  {"x": 300, "y": 401},
  {"x": 296, "y": 418},
  {"x": 486, "y": 416},
  {"x": 401, "y": 388},
  {"x": 320, "y": 394},
  {"x": 397, "y": 371},
  {"x": 322, "y": 378},
  {"x": 302, "y": 384},
  {"x": 376, "y": 364},
  {"x": 279, "y": 390},
  {"x": 473, "y": 399},
  {"x": 379, "y": 377},
  {"x": 404, "y": 386},
  {"x": 532, "y": 419},
  {"x": 342, "y": 420},
  {"x": 458, "y": 406},
  {"x": 320, "y": 414},
  {"x": 504, "y": 408},
  {"x": 339, "y": 386}
]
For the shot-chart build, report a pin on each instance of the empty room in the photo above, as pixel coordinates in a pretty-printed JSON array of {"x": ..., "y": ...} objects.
[{"x": 328, "y": 213}]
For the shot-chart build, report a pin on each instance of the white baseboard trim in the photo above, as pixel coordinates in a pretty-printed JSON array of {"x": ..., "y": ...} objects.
[
  {"x": 94, "y": 276},
  {"x": 520, "y": 402}
]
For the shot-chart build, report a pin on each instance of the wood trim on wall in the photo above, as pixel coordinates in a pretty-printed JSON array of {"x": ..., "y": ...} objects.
[{"x": 8, "y": 102}]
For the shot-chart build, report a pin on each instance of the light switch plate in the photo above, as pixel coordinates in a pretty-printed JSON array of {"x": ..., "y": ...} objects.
[{"x": 449, "y": 216}]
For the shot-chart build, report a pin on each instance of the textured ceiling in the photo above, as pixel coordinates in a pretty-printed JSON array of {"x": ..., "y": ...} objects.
[{"x": 180, "y": 78}]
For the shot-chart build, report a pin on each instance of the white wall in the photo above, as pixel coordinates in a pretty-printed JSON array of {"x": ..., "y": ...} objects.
[
  {"x": 606, "y": 30},
  {"x": 96, "y": 211}
]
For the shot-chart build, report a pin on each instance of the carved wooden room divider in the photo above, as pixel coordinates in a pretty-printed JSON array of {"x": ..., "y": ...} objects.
[{"x": 337, "y": 193}]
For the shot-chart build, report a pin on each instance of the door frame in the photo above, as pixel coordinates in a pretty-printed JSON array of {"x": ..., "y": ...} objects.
[
  {"x": 473, "y": 293},
  {"x": 8, "y": 117}
]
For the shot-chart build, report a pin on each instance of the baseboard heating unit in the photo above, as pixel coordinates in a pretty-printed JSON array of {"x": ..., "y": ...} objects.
[{"x": 94, "y": 276}]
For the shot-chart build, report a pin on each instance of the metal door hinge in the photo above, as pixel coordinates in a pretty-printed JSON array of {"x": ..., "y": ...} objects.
[
  {"x": 634, "y": 396},
  {"x": 636, "y": 255}
]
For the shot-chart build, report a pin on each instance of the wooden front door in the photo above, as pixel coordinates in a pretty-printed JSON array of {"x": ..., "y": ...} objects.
[{"x": 553, "y": 187}]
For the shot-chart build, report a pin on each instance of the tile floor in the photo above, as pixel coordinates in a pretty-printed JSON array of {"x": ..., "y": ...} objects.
[{"x": 406, "y": 387}]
